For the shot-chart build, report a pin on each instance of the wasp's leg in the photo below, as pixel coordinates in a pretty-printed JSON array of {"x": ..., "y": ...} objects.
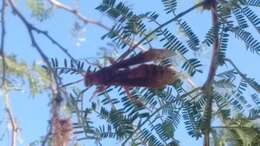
[
  {"x": 133, "y": 98},
  {"x": 99, "y": 89}
]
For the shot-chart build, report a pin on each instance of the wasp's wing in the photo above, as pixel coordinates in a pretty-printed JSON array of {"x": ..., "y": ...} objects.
[
  {"x": 150, "y": 55},
  {"x": 145, "y": 75}
]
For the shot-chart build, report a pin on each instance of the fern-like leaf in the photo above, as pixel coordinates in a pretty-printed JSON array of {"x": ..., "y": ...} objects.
[
  {"x": 211, "y": 35},
  {"x": 240, "y": 18},
  {"x": 170, "y": 5},
  {"x": 149, "y": 139},
  {"x": 39, "y": 9},
  {"x": 222, "y": 47},
  {"x": 251, "y": 44},
  {"x": 192, "y": 66},
  {"x": 171, "y": 41},
  {"x": 193, "y": 41},
  {"x": 191, "y": 119},
  {"x": 254, "y": 3},
  {"x": 252, "y": 17}
]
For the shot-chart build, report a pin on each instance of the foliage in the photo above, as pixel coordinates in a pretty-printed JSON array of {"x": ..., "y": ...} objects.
[
  {"x": 39, "y": 9},
  {"x": 144, "y": 116},
  {"x": 239, "y": 131},
  {"x": 164, "y": 107},
  {"x": 19, "y": 72}
]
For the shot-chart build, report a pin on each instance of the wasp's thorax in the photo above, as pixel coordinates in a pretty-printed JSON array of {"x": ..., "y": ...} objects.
[{"x": 100, "y": 77}]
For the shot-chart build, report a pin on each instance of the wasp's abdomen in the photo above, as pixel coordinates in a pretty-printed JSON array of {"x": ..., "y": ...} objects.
[{"x": 146, "y": 75}]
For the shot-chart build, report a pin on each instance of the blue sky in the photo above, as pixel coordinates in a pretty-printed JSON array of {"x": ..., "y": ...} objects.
[{"x": 32, "y": 113}]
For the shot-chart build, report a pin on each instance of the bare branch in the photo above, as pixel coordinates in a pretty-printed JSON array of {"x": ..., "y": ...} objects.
[
  {"x": 30, "y": 27},
  {"x": 47, "y": 136},
  {"x": 60, "y": 127},
  {"x": 14, "y": 127},
  {"x": 207, "y": 87},
  {"x": 213, "y": 64},
  {"x": 7, "y": 106},
  {"x": 235, "y": 127},
  {"x": 3, "y": 32}
]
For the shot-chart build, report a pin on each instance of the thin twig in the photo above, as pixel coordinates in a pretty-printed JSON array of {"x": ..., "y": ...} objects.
[
  {"x": 4, "y": 83},
  {"x": 47, "y": 136},
  {"x": 32, "y": 28},
  {"x": 64, "y": 50},
  {"x": 59, "y": 94},
  {"x": 71, "y": 83},
  {"x": 14, "y": 127},
  {"x": 3, "y": 32},
  {"x": 234, "y": 127}
]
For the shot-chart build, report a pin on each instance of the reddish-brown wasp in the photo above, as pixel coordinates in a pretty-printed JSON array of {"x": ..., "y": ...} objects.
[{"x": 132, "y": 72}]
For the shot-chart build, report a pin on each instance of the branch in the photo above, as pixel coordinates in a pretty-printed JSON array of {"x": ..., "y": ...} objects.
[
  {"x": 207, "y": 88},
  {"x": 4, "y": 83},
  {"x": 60, "y": 127},
  {"x": 3, "y": 32},
  {"x": 234, "y": 127},
  {"x": 13, "y": 125},
  {"x": 46, "y": 138},
  {"x": 213, "y": 64},
  {"x": 72, "y": 83},
  {"x": 10, "y": 116},
  {"x": 30, "y": 27}
]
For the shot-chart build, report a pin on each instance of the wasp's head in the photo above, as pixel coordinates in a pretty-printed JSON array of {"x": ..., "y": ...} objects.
[{"x": 88, "y": 79}]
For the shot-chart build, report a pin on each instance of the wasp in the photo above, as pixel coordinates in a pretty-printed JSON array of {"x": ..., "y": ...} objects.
[{"x": 134, "y": 73}]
